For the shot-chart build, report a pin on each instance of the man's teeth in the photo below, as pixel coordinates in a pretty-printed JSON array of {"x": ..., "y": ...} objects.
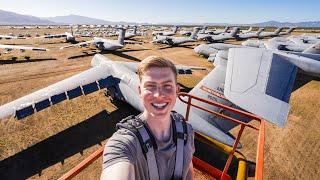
[{"x": 160, "y": 105}]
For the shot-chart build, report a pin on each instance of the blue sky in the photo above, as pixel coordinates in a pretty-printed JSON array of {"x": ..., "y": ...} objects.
[{"x": 162, "y": 11}]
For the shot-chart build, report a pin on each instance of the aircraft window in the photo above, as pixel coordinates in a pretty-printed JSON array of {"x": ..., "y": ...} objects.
[
  {"x": 42, "y": 105},
  {"x": 74, "y": 93},
  {"x": 58, "y": 98},
  {"x": 22, "y": 113}
]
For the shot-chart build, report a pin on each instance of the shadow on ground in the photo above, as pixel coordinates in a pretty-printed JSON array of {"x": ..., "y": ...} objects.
[
  {"x": 65, "y": 144},
  {"x": 25, "y": 60}
]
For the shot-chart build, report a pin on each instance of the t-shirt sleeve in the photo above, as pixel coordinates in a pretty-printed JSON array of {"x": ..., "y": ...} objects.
[{"x": 121, "y": 147}]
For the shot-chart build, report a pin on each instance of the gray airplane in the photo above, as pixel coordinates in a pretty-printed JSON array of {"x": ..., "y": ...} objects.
[
  {"x": 174, "y": 41},
  {"x": 11, "y": 37},
  {"x": 218, "y": 31},
  {"x": 270, "y": 34},
  {"x": 9, "y": 48},
  {"x": 248, "y": 35},
  {"x": 166, "y": 33},
  {"x": 219, "y": 38},
  {"x": 289, "y": 31},
  {"x": 103, "y": 44},
  {"x": 260, "y": 89},
  {"x": 69, "y": 37},
  {"x": 247, "y": 31}
]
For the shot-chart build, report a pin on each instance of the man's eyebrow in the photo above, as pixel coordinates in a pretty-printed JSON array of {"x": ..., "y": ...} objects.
[{"x": 167, "y": 81}]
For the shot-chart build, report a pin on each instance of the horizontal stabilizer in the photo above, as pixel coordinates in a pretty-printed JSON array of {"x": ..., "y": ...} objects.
[{"x": 260, "y": 81}]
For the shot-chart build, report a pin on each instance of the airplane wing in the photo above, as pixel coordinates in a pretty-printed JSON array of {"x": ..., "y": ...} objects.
[
  {"x": 10, "y": 47},
  {"x": 91, "y": 80},
  {"x": 53, "y": 36},
  {"x": 82, "y": 44}
]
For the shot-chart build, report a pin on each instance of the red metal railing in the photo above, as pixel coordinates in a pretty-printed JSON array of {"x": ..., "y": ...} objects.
[
  {"x": 201, "y": 164},
  {"x": 259, "y": 157}
]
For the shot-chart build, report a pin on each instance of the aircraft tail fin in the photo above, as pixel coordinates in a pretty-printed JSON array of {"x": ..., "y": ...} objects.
[
  {"x": 122, "y": 33},
  {"x": 315, "y": 49},
  {"x": 262, "y": 85},
  {"x": 290, "y": 30},
  {"x": 260, "y": 30},
  {"x": 194, "y": 32},
  {"x": 226, "y": 29},
  {"x": 175, "y": 29},
  {"x": 250, "y": 29},
  {"x": 234, "y": 31},
  {"x": 277, "y": 31},
  {"x": 134, "y": 29},
  {"x": 71, "y": 30}
]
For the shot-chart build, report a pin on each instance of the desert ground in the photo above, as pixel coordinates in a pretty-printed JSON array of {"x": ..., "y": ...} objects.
[{"x": 49, "y": 143}]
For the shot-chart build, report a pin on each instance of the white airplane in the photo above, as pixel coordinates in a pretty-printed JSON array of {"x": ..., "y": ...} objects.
[
  {"x": 166, "y": 33},
  {"x": 174, "y": 41},
  {"x": 69, "y": 37},
  {"x": 21, "y": 48},
  {"x": 103, "y": 44},
  {"x": 11, "y": 37},
  {"x": 220, "y": 37}
]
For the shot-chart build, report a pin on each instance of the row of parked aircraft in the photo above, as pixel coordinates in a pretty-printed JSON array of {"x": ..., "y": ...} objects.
[{"x": 165, "y": 37}]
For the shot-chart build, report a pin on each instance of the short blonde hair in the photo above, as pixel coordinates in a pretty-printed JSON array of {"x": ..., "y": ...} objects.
[{"x": 158, "y": 62}]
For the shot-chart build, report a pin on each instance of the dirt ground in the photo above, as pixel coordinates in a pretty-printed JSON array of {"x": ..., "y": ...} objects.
[{"x": 49, "y": 143}]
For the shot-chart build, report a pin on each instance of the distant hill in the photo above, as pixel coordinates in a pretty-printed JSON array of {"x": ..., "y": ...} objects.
[
  {"x": 10, "y": 18},
  {"x": 76, "y": 19},
  {"x": 288, "y": 24}
]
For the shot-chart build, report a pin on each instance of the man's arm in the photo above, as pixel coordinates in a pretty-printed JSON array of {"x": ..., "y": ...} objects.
[{"x": 119, "y": 171}]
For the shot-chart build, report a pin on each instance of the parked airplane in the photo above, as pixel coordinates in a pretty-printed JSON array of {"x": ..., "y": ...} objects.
[
  {"x": 277, "y": 43},
  {"x": 166, "y": 33},
  {"x": 173, "y": 41},
  {"x": 21, "y": 48},
  {"x": 289, "y": 31},
  {"x": 11, "y": 37},
  {"x": 68, "y": 36},
  {"x": 249, "y": 35},
  {"x": 103, "y": 44},
  {"x": 270, "y": 34},
  {"x": 218, "y": 31},
  {"x": 247, "y": 31},
  {"x": 220, "y": 37}
]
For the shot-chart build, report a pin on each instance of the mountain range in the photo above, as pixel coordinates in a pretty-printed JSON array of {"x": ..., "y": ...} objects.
[{"x": 11, "y": 18}]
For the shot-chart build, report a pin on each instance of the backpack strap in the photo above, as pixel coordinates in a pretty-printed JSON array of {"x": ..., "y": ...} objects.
[
  {"x": 181, "y": 136},
  {"x": 146, "y": 140}
]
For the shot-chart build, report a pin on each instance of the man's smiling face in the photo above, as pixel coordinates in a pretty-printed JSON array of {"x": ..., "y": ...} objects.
[{"x": 158, "y": 90}]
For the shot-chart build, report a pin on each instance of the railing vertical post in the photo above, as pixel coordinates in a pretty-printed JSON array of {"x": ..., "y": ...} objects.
[
  {"x": 188, "y": 108},
  {"x": 226, "y": 167},
  {"x": 259, "y": 160}
]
